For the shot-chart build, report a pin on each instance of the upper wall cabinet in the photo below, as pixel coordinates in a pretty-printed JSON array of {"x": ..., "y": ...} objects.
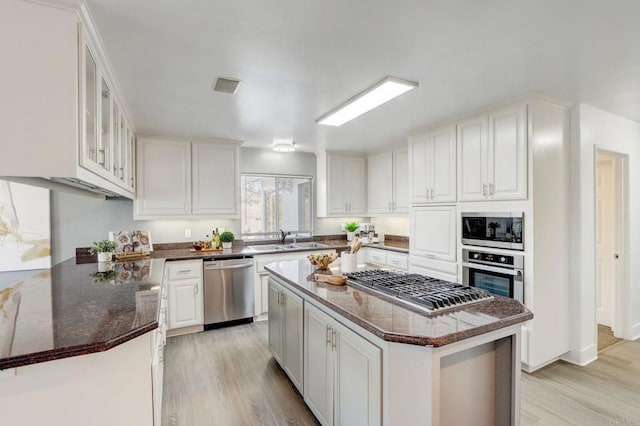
[
  {"x": 342, "y": 185},
  {"x": 185, "y": 180},
  {"x": 388, "y": 183},
  {"x": 433, "y": 166},
  {"x": 492, "y": 156},
  {"x": 61, "y": 109}
]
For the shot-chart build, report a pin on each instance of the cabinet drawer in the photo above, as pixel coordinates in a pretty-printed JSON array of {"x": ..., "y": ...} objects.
[
  {"x": 397, "y": 261},
  {"x": 183, "y": 270},
  {"x": 376, "y": 257}
]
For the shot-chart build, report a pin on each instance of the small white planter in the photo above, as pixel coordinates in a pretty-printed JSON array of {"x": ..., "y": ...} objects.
[
  {"x": 350, "y": 235},
  {"x": 226, "y": 245},
  {"x": 105, "y": 256}
]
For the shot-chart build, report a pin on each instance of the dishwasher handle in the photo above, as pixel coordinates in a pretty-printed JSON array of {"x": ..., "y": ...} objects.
[{"x": 216, "y": 266}]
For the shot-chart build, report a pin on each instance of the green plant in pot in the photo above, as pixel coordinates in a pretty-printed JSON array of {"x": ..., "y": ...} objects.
[
  {"x": 351, "y": 228},
  {"x": 104, "y": 249},
  {"x": 227, "y": 238}
]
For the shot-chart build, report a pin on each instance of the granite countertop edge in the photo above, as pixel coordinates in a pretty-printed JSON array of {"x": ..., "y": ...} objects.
[{"x": 410, "y": 338}]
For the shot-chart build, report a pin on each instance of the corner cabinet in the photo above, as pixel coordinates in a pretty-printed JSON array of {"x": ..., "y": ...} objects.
[
  {"x": 187, "y": 180},
  {"x": 66, "y": 120},
  {"x": 433, "y": 166},
  {"x": 286, "y": 331},
  {"x": 387, "y": 183},
  {"x": 492, "y": 155},
  {"x": 433, "y": 242},
  {"x": 342, "y": 372},
  {"x": 342, "y": 185}
]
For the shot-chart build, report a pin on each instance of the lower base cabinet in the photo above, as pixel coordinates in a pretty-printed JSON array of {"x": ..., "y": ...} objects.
[
  {"x": 342, "y": 372},
  {"x": 285, "y": 331}
]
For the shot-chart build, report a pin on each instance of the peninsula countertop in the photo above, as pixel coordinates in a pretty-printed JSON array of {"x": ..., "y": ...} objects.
[
  {"x": 394, "y": 321},
  {"x": 71, "y": 310}
]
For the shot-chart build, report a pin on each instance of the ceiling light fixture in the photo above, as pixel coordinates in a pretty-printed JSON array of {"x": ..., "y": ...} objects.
[
  {"x": 284, "y": 145},
  {"x": 381, "y": 92}
]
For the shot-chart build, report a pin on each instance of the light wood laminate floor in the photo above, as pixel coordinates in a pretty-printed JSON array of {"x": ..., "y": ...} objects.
[{"x": 228, "y": 377}]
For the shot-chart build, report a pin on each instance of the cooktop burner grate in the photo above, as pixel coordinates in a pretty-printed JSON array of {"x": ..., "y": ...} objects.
[{"x": 430, "y": 293}]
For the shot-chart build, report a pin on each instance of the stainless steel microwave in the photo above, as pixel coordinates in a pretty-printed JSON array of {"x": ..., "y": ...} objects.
[{"x": 495, "y": 229}]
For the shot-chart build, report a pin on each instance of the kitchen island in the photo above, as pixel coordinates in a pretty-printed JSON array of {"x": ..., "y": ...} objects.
[
  {"x": 73, "y": 338},
  {"x": 358, "y": 357}
]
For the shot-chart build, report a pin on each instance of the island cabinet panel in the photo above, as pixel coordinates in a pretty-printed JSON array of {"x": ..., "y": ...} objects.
[
  {"x": 342, "y": 372},
  {"x": 285, "y": 331}
]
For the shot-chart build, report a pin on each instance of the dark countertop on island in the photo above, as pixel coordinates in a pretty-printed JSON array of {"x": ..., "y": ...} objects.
[
  {"x": 70, "y": 310},
  {"x": 393, "y": 321}
]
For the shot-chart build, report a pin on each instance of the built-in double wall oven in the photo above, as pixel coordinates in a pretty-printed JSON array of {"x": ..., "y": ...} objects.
[{"x": 501, "y": 274}]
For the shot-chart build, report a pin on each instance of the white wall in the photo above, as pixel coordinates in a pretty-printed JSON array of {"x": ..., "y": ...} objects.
[
  {"x": 391, "y": 225},
  {"x": 593, "y": 128}
]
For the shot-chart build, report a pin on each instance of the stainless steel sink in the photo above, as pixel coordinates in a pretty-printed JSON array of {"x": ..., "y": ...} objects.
[
  {"x": 266, "y": 247},
  {"x": 309, "y": 245},
  {"x": 289, "y": 246}
]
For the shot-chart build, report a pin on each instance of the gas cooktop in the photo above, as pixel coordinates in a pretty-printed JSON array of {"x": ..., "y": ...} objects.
[{"x": 429, "y": 293}]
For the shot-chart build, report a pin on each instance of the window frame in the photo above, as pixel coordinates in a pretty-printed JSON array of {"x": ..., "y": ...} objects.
[{"x": 271, "y": 236}]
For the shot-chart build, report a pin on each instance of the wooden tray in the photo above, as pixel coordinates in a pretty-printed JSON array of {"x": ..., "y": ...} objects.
[
  {"x": 205, "y": 250},
  {"x": 331, "y": 279},
  {"x": 132, "y": 256}
]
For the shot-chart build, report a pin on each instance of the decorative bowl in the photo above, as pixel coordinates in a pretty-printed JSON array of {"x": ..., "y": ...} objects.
[{"x": 322, "y": 261}]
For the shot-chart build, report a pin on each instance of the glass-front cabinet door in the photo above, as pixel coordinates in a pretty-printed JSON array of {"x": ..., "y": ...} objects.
[
  {"x": 132, "y": 161},
  {"x": 104, "y": 153},
  {"x": 90, "y": 139},
  {"x": 116, "y": 139}
]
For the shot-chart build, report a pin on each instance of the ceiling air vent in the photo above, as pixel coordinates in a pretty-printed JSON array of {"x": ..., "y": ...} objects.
[{"x": 226, "y": 85}]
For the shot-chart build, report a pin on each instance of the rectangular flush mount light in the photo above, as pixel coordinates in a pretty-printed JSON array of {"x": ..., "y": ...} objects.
[{"x": 381, "y": 92}]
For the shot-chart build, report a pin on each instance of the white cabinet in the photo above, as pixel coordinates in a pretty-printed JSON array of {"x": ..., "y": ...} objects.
[
  {"x": 60, "y": 117},
  {"x": 492, "y": 156},
  {"x": 286, "y": 331},
  {"x": 164, "y": 178},
  {"x": 185, "y": 301},
  {"x": 216, "y": 179},
  {"x": 433, "y": 232},
  {"x": 433, "y": 166},
  {"x": 342, "y": 185},
  {"x": 342, "y": 372},
  {"x": 386, "y": 258},
  {"x": 387, "y": 182},
  {"x": 183, "y": 180}
]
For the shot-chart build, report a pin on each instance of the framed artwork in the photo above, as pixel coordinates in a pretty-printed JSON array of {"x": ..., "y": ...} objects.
[{"x": 25, "y": 227}]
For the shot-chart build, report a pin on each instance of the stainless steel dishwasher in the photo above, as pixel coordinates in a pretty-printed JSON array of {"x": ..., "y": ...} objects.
[{"x": 228, "y": 291}]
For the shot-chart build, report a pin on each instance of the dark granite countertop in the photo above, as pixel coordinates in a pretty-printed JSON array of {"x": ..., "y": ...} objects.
[
  {"x": 395, "y": 322},
  {"x": 70, "y": 310}
]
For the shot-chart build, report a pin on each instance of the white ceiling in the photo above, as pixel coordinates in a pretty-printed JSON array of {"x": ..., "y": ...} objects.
[{"x": 298, "y": 59}]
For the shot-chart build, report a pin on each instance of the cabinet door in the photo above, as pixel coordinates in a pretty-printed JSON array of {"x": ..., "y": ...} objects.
[
  {"x": 164, "y": 179},
  {"x": 442, "y": 165},
  {"x": 358, "y": 380},
  {"x": 90, "y": 121},
  {"x": 472, "y": 159},
  {"x": 215, "y": 179},
  {"x": 401, "y": 181},
  {"x": 185, "y": 303},
  {"x": 104, "y": 151},
  {"x": 292, "y": 337},
  {"x": 433, "y": 232},
  {"x": 418, "y": 169},
  {"x": 507, "y": 154},
  {"x": 318, "y": 364},
  {"x": 337, "y": 177},
  {"x": 380, "y": 183},
  {"x": 356, "y": 183},
  {"x": 275, "y": 321}
]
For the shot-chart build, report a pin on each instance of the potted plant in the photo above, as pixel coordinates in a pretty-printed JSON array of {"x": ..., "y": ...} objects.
[
  {"x": 104, "y": 249},
  {"x": 351, "y": 228},
  {"x": 227, "y": 238}
]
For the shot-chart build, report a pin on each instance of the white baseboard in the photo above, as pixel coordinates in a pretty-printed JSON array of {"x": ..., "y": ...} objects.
[{"x": 582, "y": 357}]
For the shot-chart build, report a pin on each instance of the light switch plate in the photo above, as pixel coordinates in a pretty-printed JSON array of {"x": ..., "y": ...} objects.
[{"x": 187, "y": 233}]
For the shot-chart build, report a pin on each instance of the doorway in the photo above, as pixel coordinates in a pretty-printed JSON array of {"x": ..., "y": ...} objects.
[{"x": 609, "y": 243}]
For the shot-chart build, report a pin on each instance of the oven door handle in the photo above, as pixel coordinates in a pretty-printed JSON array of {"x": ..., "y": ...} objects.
[{"x": 505, "y": 271}]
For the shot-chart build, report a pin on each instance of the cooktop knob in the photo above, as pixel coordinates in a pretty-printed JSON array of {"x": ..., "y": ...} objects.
[
  {"x": 476, "y": 255},
  {"x": 503, "y": 259}
]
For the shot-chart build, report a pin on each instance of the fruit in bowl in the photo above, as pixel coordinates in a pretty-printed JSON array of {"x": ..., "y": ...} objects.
[{"x": 322, "y": 261}]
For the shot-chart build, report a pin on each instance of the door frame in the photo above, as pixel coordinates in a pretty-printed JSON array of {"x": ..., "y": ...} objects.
[{"x": 621, "y": 289}]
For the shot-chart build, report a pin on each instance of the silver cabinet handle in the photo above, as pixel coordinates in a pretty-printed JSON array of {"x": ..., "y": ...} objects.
[
  {"x": 328, "y": 335},
  {"x": 333, "y": 340},
  {"x": 484, "y": 189},
  {"x": 492, "y": 189},
  {"x": 427, "y": 192},
  {"x": 431, "y": 193}
]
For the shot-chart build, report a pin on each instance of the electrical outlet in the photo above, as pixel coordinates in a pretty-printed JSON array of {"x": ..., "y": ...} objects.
[
  {"x": 342, "y": 227},
  {"x": 187, "y": 233}
]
